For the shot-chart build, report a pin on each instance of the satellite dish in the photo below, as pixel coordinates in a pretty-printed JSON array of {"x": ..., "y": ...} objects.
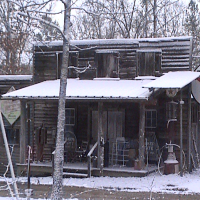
[{"x": 196, "y": 89}]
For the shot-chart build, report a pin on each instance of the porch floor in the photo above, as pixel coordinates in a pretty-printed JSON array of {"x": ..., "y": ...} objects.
[{"x": 45, "y": 169}]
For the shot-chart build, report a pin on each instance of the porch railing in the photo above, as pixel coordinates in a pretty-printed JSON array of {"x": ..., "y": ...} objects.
[{"x": 89, "y": 155}]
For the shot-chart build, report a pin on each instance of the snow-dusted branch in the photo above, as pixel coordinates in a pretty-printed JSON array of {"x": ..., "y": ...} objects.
[{"x": 43, "y": 21}]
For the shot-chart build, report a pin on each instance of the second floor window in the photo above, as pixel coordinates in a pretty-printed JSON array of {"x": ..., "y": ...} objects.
[{"x": 148, "y": 62}]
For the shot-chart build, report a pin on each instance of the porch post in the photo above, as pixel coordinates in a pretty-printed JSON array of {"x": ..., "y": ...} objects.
[
  {"x": 141, "y": 134},
  {"x": 189, "y": 129},
  {"x": 23, "y": 133},
  {"x": 100, "y": 160},
  {"x": 181, "y": 134}
]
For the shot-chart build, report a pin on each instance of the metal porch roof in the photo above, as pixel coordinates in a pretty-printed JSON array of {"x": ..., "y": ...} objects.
[
  {"x": 16, "y": 77},
  {"x": 105, "y": 88},
  {"x": 173, "y": 80}
]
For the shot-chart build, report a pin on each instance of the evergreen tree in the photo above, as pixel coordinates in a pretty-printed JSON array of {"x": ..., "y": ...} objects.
[
  {"x": 46, "y": 32},
  {"x": 192, "y": 27}
]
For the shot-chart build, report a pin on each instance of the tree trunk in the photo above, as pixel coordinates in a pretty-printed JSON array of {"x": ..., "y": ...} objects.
[
  {"x": 57, "y": 188},
  {"x": 155, "y": 19}
]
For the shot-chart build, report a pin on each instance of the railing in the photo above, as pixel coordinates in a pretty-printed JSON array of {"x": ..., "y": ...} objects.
[{"x": 89, "y": 155}]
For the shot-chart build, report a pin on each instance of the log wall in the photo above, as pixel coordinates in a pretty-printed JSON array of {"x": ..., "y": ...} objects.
[{"x": 175, "y": 56}]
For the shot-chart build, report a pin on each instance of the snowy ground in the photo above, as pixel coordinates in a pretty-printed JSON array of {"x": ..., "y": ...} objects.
[{"x": 171, "y": 184}]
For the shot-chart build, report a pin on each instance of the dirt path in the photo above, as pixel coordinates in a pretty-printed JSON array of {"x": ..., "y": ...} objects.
[{"x": 81, "y": 193}]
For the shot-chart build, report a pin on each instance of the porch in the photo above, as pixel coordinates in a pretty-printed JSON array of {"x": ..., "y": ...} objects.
[
  {"x": 81, "y": 169},
  {"x": 104, "y": 119}
]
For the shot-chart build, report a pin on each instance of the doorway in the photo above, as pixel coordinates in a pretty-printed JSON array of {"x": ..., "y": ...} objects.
[{"x": 113, "y": 126}]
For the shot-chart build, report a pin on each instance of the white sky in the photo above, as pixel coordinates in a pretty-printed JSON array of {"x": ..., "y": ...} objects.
[{"x": 58, "y": 6}]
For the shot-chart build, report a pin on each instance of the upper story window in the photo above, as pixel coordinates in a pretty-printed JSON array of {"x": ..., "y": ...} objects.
[
  {"x": 148, "y": 62},
  {"x": 107, "y": 63},
  {"x": 151, "y": 118}
]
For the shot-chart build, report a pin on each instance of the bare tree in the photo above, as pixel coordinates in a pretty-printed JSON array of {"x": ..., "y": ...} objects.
[
  {"x": 104, "y": 19},
  {"x": 59, "y": 153},
  {"x": 13, "y": 39},
  {"x": 29, "y": 12},
  {"x": 128, "y": 19}
]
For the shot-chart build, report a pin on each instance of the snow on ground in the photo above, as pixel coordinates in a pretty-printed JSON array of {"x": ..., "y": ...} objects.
[
  {"x": 188, "y": 184},
  {"x": 171, "y": 184}
]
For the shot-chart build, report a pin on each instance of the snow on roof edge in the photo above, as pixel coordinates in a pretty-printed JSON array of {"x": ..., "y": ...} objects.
[
  {"x": 89, "y": 42},
  {"x": 85, "y": 89},
  {"x": 110, "y": 41},
  {"x": 16, "y": 77}
]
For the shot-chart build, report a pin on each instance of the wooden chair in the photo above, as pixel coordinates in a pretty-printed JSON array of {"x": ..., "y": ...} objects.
[{"x": 81, "y": 152}]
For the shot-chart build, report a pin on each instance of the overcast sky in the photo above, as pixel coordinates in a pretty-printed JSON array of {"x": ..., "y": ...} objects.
[{"x": 58, "y": 6}]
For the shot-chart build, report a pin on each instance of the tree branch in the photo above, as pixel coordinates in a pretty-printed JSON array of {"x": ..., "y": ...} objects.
[{"x": 43, "y": 21}]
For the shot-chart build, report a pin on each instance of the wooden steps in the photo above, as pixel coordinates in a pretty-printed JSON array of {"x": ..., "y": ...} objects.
[
  {"x": 74, "y": 175},
  {"x": 75, "y": 172}
]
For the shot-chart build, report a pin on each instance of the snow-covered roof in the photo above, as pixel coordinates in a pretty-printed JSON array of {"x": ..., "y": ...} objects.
[
  {"x": 150, "y": 50},
  {"x": 176, "y": 80},
  {"x": 15, "y": 77},
  {"x": 164, "y": 39},
  {"x": 111, "y": 41},
  {"x": 89, "y": 42},
  {"x": 104, "y": 88}
]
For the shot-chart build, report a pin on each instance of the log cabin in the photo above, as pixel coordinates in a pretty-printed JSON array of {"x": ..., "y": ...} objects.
[{"x": 125, "y": 100}]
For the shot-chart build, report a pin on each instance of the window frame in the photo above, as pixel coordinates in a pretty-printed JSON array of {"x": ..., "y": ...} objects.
[
  {"x": 13, "y": 135},
  {"x": 151, "y": 118},
  {"x": 149, "y": 62},
  {"x": 70, "y": 118}
]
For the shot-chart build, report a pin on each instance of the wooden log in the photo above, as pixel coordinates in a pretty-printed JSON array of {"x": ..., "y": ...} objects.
[
  {"x": 141, "y": 134},
  {"x": 23, "y": 133},
  {"x": 189, "y": 129},
  {"x": 100, "y": 160}
]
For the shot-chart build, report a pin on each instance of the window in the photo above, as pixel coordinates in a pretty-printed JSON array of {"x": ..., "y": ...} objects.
[
  {"x": 108, "y": 63},
  {"x": 73, "y": 62},
  {"x": 151, "y": 118},
  {"x": 69, "y": 116},
  {"x": 12, "y": 135},
  {"x": 171, "y": 110},
  {"x": 148, "y": 62}
]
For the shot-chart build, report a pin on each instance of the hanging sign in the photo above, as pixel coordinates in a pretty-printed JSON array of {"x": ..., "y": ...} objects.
[{"x": 11, "y": 109}]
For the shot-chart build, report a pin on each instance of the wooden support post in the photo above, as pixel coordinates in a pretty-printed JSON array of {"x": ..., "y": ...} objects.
[
  {"x": 141, "y": 135},
  {"x": 181, "y": 134},
  {"x": 9, "y": 157},
  {"x": 89, "y": 123},
  {"x": 189, "y": 130},
  {"x": 23, "y": 133},
  {"x": 100, "y": 161}
]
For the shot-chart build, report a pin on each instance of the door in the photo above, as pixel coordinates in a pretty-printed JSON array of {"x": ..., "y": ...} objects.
[
  {"x": 113, "y": 126},
  {"x": 95, "y": 125}
]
